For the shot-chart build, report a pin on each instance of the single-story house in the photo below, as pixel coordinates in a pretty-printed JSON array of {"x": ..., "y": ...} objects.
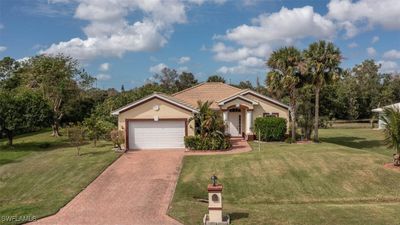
[
  {"x": 161, "y": 121},
  {"x": 381, "y": 123}
]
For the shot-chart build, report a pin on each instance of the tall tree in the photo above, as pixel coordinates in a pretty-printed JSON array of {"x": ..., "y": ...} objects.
[
  {"x": 322, "y": 60},
  {"x": 22, "y": 111},
  {"x": 167, "y": 79},
  {"x": 245, "y": 85},
  {"x": 216, "y": 78},
  {"x": 185, "y": 80},
  {"x": 59, "y": 78},
  {"x": 285, "y": 73},
  {"x": 9, "y": 77}
]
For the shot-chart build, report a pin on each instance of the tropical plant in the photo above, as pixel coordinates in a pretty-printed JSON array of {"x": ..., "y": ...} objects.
[
  {"x": 322, "y": 61},
  {"x": 285, "y": 74},
  {"x": 210, "y": 127},
  {"x": 391, "y": 119},
  {"x": 208, "y": 123}
]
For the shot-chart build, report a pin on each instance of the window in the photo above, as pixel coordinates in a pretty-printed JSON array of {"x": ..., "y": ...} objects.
[
  {"x": 271, "y": 114},
  {"x": 234, "y": 110}
]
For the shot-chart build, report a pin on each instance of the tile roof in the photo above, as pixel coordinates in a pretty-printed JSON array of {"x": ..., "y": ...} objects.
[{"x": 207, "y": 91}]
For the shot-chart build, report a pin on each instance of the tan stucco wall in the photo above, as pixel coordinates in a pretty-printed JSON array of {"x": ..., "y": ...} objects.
[
  {"x": 235, "y": 102},
  {"x": 265, "y": 106},
  {"x": 146, "y": 111}
]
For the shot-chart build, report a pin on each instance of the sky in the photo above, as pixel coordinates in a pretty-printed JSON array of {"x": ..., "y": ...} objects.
[{"x": 128, "y": 41}]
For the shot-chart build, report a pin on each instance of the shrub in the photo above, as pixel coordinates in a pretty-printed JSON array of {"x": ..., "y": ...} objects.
[
  {"x": 117, "y": 137},
  {"x": 207, "y": 143},
  {"x": 76, "y": 136},
  {"x": 270, "y": 128},
  {"x": 325, "y": 122}
]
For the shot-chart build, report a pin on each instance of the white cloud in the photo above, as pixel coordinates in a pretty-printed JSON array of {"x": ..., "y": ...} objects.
[
  {"x": 183, "y": 69},
  {"x": 389, "y": 66},
  {"x": 157, "y": 68},
  {"x": 250, "y": 45},
  {"x": 392, "y": 54},
  {"x": 371, "y": 51},
  {"x": 283, "y": 26},
  {"x": 104, "y": 67},
  {"x": 103, "y": 77},
  {"x": 183, "y": 59},
  {"x": 200, "y": 2},
  {"x": 3, "y": 48},
  {"x": 110, "y": 33},
  {"x": 364, "y": 14},
  {"x": 375, "y": 39},
  {"x": 239, "y": 69},
  {"x": 352, "y": 45}
]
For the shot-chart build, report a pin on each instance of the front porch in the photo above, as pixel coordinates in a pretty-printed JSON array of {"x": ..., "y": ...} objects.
[{"x": 238, "y": 119}]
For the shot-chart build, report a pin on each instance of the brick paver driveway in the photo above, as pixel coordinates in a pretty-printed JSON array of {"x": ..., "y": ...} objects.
[{"x": 136, "y": 189}]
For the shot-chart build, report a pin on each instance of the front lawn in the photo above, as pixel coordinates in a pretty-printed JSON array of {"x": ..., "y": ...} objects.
[
  {"x": 40, "y": 174},
  {"x": 339, "y": 181}
]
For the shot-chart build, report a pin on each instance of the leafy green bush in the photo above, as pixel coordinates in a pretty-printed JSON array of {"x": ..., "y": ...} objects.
[
  {"x": 270, "y": 128},
  {"x": 207, "y": 143}
]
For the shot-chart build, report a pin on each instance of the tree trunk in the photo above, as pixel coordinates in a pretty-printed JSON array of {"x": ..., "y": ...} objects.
[
  {"x": 10, "y": 137},
  {"x": 56, "y": 126},
  {"x": 293, "y": 116},
  {"x": 316, "y": 116},
  {"x": 95, "y": 142}
]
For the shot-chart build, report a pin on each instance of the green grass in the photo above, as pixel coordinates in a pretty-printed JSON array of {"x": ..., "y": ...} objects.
[
  {"x": 40, "y": 174},
  {"x": 339, "y": 181}
]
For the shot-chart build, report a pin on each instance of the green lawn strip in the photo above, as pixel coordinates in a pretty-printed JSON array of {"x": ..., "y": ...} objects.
[
  {"x": 42, "y": 179},
  {"x": 340, "y": 179}
]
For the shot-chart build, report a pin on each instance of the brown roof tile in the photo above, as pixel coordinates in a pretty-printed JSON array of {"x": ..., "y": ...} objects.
[{"x": 207, "y": 91}]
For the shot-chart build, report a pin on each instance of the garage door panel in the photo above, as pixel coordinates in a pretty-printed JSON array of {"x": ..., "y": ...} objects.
[{"x": 156, "y": 134}]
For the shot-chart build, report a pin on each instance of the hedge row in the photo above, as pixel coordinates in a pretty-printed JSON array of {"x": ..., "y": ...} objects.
[
  {"x": 270, "y": 128},
  {"x": 199, "y": 143}
]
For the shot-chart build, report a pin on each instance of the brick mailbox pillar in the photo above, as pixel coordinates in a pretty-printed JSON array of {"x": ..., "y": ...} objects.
[
  {"x": 215, "y": 203},
  {"x": 214, "y": 216}
]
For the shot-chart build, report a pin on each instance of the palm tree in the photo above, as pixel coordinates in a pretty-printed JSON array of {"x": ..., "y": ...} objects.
[
  {"x": 322, "y": 61},
  {"x": 391, "y": 118},
  {"x": 208, "y": 122},
  {"x": 285, "y": 74}
]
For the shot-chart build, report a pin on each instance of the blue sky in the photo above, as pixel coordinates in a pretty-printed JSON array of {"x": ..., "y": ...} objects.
[{"x": 127, "y": 41}]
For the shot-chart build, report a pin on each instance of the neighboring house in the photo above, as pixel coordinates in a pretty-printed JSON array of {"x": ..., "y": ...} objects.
[
  {"x": 381, "y": 124},
  {"x": 161, "y": 121}
]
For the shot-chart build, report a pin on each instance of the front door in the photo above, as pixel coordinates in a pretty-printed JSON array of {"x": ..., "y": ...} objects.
[{"x": 235, "y": 121}]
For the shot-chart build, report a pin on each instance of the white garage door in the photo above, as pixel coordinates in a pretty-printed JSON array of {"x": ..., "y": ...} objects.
[{"x": 156, "y": 134}]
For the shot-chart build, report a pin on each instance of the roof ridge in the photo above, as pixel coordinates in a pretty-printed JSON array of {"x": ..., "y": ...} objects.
[
  {"x": 178, "y": 100},
  {"x": 203, "y": 83},
  {"x": 237, "y": 93}
]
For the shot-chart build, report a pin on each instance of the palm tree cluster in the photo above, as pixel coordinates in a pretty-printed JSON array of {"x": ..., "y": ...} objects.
[
  {"x": 391, "y": 118},
  {"x": 291, "y": 69},
  {"x": 208, "y": 122}
]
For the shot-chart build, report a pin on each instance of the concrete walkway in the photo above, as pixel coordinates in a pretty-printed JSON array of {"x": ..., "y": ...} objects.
[{"x": 136, "y": 189}]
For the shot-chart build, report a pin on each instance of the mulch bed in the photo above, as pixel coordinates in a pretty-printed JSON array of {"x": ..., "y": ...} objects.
[{"x": 392, "y": 167}]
